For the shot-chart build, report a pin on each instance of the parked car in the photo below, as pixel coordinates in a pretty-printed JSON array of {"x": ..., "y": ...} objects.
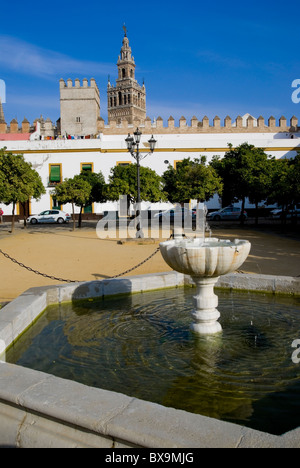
[
  {"x": 49, "y": 216},
  {"x": 176, "y": 214},
  {"x": 296, "y": 212},
  {"x": 229, "y": 212},
  {"x": 278, "y": 213}
]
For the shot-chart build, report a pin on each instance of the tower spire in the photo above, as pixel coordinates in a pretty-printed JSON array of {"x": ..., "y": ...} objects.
[
  {"x": 126, "y": 100},
  {"x": 2, "y": 118},
  {"x": 126, "y": 58}
]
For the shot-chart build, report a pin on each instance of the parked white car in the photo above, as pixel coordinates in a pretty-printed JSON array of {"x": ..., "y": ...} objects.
[
  {"x": 230, "y": 212},
  {"x": 180, "y": 214},
  {"x": 280, "y": 214},
  {"x": 277, "y": 213},
  {"x": 49, "y": 216}
]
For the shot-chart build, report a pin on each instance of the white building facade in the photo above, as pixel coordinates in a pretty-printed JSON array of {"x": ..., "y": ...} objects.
[{"x": 58, "y": 159}]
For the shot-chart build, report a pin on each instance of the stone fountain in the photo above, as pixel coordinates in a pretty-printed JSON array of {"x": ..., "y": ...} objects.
[{"x": 205, "y": 260}]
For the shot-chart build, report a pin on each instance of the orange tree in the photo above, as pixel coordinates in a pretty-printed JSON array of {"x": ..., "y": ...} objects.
[
  {"x": 191, "y": 179},
  {"x": 246, "y": 172},
  {"x": 19, "y": 182}
]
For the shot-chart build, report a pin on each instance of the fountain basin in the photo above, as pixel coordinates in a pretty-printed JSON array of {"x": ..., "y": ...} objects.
[
  {"x": 205, "y": 260},
  {"x": 209, "y": 257},
  {"x": 125, "y": 344},
  {"x": 40, "y": 410}
]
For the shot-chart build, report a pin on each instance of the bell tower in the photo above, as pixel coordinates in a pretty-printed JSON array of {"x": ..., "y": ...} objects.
[{"x": 126, "y": 100}]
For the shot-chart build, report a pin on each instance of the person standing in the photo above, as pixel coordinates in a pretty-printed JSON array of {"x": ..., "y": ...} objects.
[{"x": 1, "y": 216}]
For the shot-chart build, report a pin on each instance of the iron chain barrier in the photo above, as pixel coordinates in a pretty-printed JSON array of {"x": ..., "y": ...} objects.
[{"x": 74, "y": 281}]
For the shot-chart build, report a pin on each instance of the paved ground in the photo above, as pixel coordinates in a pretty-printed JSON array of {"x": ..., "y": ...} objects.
[{"x": 82, "y": 255}]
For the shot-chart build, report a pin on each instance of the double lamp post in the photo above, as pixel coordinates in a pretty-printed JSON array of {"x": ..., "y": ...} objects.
[{"x": 133, "y": 146}]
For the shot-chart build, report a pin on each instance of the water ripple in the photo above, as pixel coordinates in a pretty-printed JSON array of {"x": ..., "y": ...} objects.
[{"x": 143, "y": 346}]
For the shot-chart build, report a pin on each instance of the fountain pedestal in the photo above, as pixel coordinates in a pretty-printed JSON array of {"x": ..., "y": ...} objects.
[
  {"x": 205, "y": 260},
  {"x": 205, "y": 314}
]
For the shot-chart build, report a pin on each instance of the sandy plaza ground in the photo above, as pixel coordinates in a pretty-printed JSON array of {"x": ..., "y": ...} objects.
[{"x": 81, "y": 255}]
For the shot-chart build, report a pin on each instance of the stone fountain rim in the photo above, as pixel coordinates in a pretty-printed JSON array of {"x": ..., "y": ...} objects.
[
  {"x": 194, "y": 243},
  {"x": 40, "y": 410}
]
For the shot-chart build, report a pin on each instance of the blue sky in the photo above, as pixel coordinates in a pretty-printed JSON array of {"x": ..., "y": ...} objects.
[{"x": 197, "y": 58}]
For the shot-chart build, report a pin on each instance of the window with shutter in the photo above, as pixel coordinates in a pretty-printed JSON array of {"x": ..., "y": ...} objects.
[
  {"x": 86, "y": 167},
  {"x": 55, "y": 175}
]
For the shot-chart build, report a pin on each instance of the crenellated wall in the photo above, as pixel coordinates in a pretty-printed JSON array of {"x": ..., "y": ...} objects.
[
  {"x": 46, "y": 128},
  {"x": 245, "y": 124}
]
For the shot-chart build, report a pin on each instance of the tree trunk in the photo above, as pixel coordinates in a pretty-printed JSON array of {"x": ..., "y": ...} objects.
[
  {"x": 24, "y": 217},
  {"x": 283, "y": 216},
  {"x": 256, "y": 213},
  {"x": 13, "y": 218},
  {"x": 73, "y": 210},
  {"x": 243, "y": 209},
  {"x": 128, "y": 205},
  {"x": 79, "y": 217}
]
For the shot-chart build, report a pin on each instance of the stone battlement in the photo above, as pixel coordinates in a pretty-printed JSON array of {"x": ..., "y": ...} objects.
[
  {"x": 46, "y": 127},
  {"x": 245, "y": 124},
  {"x": 77, "y": 84}
]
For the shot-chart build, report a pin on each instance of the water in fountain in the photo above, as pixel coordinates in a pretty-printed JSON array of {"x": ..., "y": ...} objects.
[{"x": 142, "y": 345}]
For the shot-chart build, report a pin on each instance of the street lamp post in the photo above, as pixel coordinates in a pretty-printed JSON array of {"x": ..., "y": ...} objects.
[{"x": 133, "y": 146}]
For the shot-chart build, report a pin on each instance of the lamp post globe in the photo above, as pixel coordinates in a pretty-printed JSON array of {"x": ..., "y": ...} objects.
[{"x": 152, "y": 142}]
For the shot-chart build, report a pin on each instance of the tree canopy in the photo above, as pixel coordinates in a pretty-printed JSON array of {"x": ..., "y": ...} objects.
[
  {"x": 246, "y": 171},
  {"x": 123, "y": 181},
  {"x": 19, "y": 182},
  {"x": 97, "y": 183},
  {"x": 76, "y": 191},
  {"x": 294, "y": 178},
  {"x": 191, "y": 179},
  {"x": 98, "y": 192},
  {"x": 285, "y": 187}
]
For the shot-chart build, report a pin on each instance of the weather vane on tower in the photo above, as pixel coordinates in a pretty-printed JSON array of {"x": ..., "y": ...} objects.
[{"x": 125, "y": 30}]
